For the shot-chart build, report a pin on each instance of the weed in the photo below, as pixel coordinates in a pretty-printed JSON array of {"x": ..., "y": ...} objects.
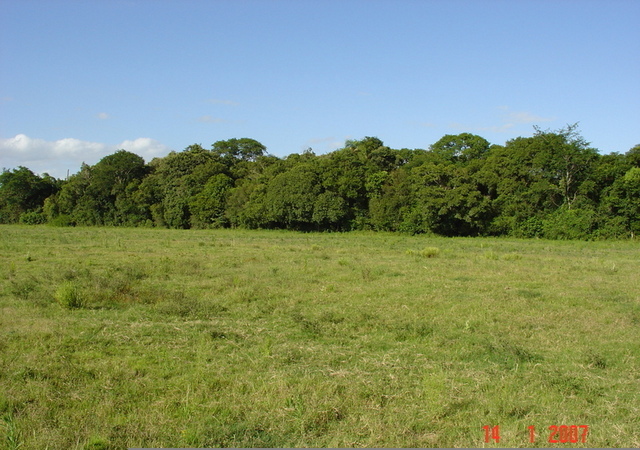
[
  {"x": 410, "y": 330},
  {"x": 491, "y": 255},
  {"x": 246, "y": 294},
  {"x": 312, "y": 327},
  {"x": 596, "y": 360},
  {"x": 512, "y": 256},
  {"x": 68, "y": 295},
  {"x": 13, "y": 434},
  {"x": 12, "y": 270},
  {"x": 23, "y": 288},
  {"x": 178, "y": 304},
  {"x": 97, "y": 443},
  {"x": 427, "y": 252}
]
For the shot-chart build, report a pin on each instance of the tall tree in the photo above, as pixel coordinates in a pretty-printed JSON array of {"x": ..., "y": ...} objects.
[
  {"x": 22, "y": 191},
  {"x": 566, "y": 158},
  {"x": 461, "y": 148}
]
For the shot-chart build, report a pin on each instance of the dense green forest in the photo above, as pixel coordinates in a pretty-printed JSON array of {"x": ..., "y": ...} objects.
[{"x": 551, "y": 185}]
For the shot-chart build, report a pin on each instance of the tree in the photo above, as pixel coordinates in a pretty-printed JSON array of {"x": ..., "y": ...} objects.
[
  {"x": 357, "y": 172},
  {"x": 22, "y": 191},
  {"x": 633, "y": 156},
  {"x": 330, "y": 212},
  {"x": 208, "y": 206},
  {"x": 175, "y": 179},
  {"x": 109, "y": 186},
  {"x": 530, "y": 178},
  {"x": 565, "y": 158},
  {"x": 389, "y": 209},
  {"x": 622, "y": 202},
  {"x": 291, "y": 196},
  {"x": 244, "y": 149},
  {"x": 447, "y": 200},
  {"x": 461, "y": 148}
]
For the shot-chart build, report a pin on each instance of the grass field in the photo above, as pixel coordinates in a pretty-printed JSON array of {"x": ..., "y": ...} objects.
[{"x": 114, "y": 338}]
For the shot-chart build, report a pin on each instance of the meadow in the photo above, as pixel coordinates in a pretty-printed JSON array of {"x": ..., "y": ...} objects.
[{"x": 113, "y": 338}]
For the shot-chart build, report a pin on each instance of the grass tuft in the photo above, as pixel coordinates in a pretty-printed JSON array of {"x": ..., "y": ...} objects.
[
  {"x": 68, "y": 295},
  {"x": 427, "y": 252}
]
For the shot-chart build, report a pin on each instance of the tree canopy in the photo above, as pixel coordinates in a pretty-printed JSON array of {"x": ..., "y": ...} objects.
[{"x": 551, "y": 184}]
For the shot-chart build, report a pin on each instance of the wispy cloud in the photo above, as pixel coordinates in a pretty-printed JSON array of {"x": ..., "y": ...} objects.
[
  {"x": 324, "y": 144},
  {"x": 504, "y": 128},
  {"x": 219, "y": 101},
  {"x": 510, "y": 121},
  {"x": 525, "y": 117},
  {"x": 211, "y": 119},
  {"x": 423, "y": 124},
  {"x": 103, "y": 116},
  {"x": 56, "y": 157}
]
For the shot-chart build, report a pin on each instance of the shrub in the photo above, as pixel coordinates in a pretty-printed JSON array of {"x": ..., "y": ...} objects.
[
  {"x": 568, "y": 224},
  {"x": 33, "y": 218},
  {"x": 533, "y": 227},
  {"x": 63, "y": 220}
]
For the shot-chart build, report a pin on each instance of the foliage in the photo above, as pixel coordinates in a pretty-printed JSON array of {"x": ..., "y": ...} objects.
[
  {"x": 22, "y": 191},
  {"x": 33, "y": 218},
  {"x": 551, "y": 184}
]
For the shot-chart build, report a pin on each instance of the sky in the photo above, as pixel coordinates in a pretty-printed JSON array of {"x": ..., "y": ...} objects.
[{"x": 80, "y": 79}]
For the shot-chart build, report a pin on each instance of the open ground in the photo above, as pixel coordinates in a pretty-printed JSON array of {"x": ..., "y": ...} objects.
[{"x": 113, "y": 338}]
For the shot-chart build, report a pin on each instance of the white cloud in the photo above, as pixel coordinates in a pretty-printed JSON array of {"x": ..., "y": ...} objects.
[
  {"x": 103, "y": 116},
  {"x": 58, "y": 157},
  {"x": 146, "y": 147}
]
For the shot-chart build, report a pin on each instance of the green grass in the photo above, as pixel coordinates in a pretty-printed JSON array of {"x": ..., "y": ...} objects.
[{"x": 115, "y": 338}]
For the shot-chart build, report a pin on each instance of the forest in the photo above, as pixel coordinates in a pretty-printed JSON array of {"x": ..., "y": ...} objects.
[{"x": 550, "y": 185}]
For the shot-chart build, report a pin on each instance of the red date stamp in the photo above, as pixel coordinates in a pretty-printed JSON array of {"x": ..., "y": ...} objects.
[{"x": 557, "y": 434}]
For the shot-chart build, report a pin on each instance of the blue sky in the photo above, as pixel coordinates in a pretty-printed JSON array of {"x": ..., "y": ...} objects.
[{"x": 81, "y": 79}]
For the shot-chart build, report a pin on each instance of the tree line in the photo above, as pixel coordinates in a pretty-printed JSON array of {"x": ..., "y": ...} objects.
[{"x": 551, "y": 185}]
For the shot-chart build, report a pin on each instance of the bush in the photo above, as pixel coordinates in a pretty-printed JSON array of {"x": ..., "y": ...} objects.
[
  {"x": 532, "y": 227},
  {"x": 569, "y": 224},
  {"x": 62, "y": 220},
  {"x": 33, "y": 218}
]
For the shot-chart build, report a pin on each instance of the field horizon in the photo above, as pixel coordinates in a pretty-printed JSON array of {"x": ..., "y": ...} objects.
[{"x": 130, "y": 337}]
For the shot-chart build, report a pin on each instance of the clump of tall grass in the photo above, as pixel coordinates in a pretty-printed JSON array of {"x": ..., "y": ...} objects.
[
  {"x": 427, "y": 252},
  {"x": 68, "y": 295},
  {"x": 12, "y": 433}
]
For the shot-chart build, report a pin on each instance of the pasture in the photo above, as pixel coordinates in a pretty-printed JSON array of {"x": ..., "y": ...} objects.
[{"x": 113, "y": 338}]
